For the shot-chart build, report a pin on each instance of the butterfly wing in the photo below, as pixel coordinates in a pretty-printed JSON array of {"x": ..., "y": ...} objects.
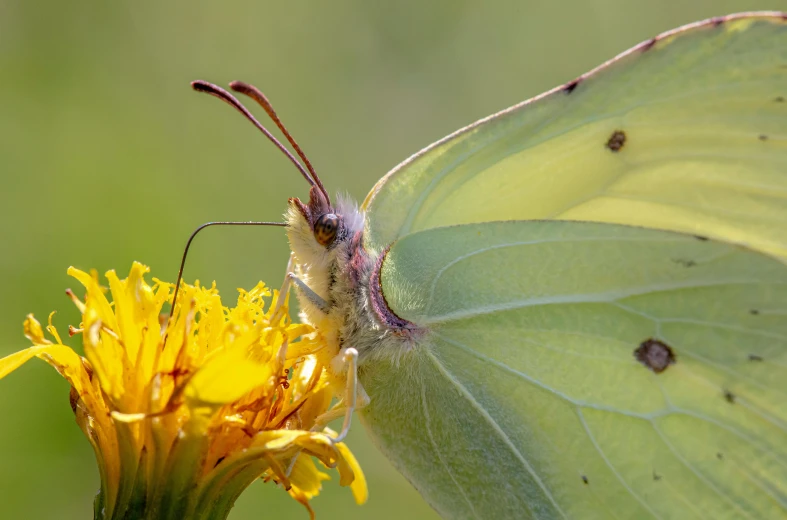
[
  {"x": 686, "y": 132},
  {"x": 524, "y": 398}
]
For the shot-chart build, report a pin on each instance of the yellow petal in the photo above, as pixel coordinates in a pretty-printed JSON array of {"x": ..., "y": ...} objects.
[
  {"x": 318, "y": 444},
  {"x": 100, "y": 303},
  {"x": 127, "y": 309},
  {"x": 226, "y": 377},
  {"x": 34, "y": 332},
  {"x": 62, "y": 358},
  {"x": 276, "y": 440},
  {"x": 297, "y": 330},
  {"x": 306, "y": 477},
  {"x": 358, "y": 483},
  {"x": 10, "y": 363}
]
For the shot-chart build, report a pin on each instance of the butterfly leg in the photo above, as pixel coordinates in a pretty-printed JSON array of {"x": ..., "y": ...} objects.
[
  {"x": 310, "y": 295},
  {"x": 355, "y": 397},
  {"x": 350, "y": 394},
  {"x": 285, "y": 288}
]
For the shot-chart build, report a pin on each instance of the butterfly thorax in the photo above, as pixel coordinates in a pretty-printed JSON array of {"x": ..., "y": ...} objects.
[{"x": 346, "y": 276}]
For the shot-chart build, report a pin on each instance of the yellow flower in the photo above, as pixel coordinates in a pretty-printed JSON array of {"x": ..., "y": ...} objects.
[{"x": 184, "y": 416}]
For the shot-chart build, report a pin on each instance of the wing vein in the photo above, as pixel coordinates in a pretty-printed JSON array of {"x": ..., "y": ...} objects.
[
  {"x": 427, "y": 423},
  {"x": 483, "y": 250},
  {"x": 762, "y": 485},
  {"x": 610, "y": 466},
  {"x": 496, "y": 428},
  {"x": 696, "y": 473},
  {"x": 734, "y": 431},
  {"x": 601, "y": 297},
  {"x": 538, "y": 383},
  {"x": 447, "y": 169},
  {"x": 724, "y": 326}
]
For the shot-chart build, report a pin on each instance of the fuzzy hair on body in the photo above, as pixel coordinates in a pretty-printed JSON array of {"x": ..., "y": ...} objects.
[{"x": 342, "y": 274}]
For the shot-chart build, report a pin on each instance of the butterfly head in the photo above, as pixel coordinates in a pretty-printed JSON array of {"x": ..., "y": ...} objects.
[{"x": 319, "y": 229}]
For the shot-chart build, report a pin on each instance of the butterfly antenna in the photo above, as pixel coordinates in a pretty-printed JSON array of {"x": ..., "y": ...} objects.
[
  {"x": 186, "y": 252},
  {"x": 214, "y": 90},
  {"x": 257, "y": 95}
]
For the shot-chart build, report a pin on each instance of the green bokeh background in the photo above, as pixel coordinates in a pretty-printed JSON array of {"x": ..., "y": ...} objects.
[{"x": 106, "y": 157}]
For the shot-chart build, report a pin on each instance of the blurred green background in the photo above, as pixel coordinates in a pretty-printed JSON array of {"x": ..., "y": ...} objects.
[{"x": 107, "y": 156}]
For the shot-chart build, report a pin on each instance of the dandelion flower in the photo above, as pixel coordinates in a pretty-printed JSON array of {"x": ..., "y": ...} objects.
[{"x": 183, "y": 414}]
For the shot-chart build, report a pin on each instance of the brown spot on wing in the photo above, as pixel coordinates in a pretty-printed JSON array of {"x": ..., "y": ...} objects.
[
  {"x": 571, "y": 85},
  {"x": 646, "y": 46},
  {"x": 585, "y": 480},
  {"x": 616, "y": 140},
  {"x": 701, "y": 238},
  {"x": 779, "y": 99},
  {"x": 762, "y": 137},
  {"x": 754, "y": 312},
  {"x": 755, "y": 357},
  {"x": 729, "y": 396},
  {"x": 655, "y": 354}
]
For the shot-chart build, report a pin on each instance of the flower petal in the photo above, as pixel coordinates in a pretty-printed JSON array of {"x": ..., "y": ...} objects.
[
  {"x": 67, "y": 362},
  {"x": 10, "y": 363},
  {"x": 226, "y": 377},
  {"x": 358, "y": 482},
  {"x": 306, "y": 477},
  {"x": 100, "y": 303},
  {"x": 34, "y": 332}
]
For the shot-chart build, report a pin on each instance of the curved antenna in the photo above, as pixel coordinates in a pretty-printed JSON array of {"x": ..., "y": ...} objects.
[
  {"x": 186, "y": 252},
  {"x": 257, "y": 95},
  {"x": 213, "y": 90}
]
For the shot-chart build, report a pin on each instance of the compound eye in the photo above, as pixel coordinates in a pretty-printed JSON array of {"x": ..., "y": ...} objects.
[{"x": 325, "y": 229}]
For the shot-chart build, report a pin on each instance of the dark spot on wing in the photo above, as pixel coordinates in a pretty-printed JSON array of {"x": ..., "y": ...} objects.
[
  {"x": 720, "y": 456},
  {"x": 570, "y": 86},
  {"x": 729, "y": 396},
  {"x": 717, "y": 21},
  {"x": 754, "y": 312},
  {"x": 616, "y": 140},
  {"x": 646, "y": 46},
  {"x": 656, "y": 476},
  {"x": 585, "y": 480},
  {"x": 762, "y": 137},
  {"x": 685, "y": 262},
  {"x": 655, "y": 354},
  {"x": 779, "y": 99},
  {"x": 755, "y": 357},
  {"x": 701, "y": 238}
]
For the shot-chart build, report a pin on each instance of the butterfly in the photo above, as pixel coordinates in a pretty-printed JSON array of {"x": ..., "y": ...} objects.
[{"x": 575, "y": 308}]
